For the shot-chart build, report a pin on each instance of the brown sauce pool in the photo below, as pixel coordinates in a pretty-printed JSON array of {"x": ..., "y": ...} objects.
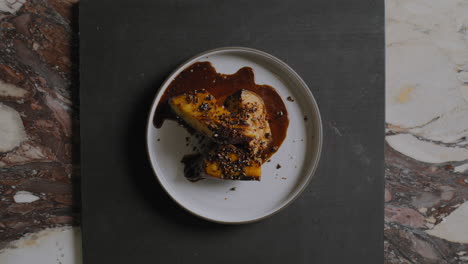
[{"x": 202, "y": 75}]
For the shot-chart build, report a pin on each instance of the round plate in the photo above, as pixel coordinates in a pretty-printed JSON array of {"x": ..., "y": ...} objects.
[{"x": 298, "y": 156}]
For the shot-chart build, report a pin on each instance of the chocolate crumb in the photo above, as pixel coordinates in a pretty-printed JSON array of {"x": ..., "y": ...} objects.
[
  {"x": 194, "y": 148},
  {"x": 232, "y": 189},
  {"x": 204, "y": 107},
  {"x": 187, "y": 138},
  {"x": 290, "y": 99},
  {"x": 284, "y": 178},
  {"x": 278, "y": 166},
  {"x": 187, "y": 144},
  {"x": 159, "y": 139},
  {"x": 269, "y": 160},
  {"x": 306, "y": 118},
  {"x": 225, "y": 198}
]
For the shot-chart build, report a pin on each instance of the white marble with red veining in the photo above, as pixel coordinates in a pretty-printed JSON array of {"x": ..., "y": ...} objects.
[
  {"x": 426, "y": 195},
  {"x": 38, "y": 140}
]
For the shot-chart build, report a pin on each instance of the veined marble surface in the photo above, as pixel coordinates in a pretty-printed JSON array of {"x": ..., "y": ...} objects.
[
  {"x": 426, "y": 196},
  {"x": 38, "y": 154}
]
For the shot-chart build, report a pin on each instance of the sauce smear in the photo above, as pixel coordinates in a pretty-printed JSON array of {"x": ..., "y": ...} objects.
[{"x": 202, "y": 75}]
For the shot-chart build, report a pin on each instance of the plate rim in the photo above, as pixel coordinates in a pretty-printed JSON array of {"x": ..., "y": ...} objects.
[{"x": 315, "y": 107}]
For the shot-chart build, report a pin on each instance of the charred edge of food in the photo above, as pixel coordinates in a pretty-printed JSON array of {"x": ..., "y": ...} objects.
[
  {"x": 192, "y": 168},
  {"x": 186, "y": 126}
]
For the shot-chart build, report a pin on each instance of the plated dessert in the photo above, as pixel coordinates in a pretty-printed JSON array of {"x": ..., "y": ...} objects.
[
  {"x": 259, "y": 155},
  {"x": 244, "y": 123}
]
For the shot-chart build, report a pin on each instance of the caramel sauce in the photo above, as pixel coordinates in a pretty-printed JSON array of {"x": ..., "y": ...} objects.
[{"x": 202, "y": 75}]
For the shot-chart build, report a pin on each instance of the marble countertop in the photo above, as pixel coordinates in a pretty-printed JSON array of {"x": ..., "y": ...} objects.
[
  {"x": 426, "y": 155},
  {"x": 426, "y": 193}
]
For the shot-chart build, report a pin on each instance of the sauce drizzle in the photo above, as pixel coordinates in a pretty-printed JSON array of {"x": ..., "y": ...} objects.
[{"x": 202, "y": 75}]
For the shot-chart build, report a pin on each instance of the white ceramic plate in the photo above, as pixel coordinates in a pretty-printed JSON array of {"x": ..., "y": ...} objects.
[{"x": 251, "y": 201}]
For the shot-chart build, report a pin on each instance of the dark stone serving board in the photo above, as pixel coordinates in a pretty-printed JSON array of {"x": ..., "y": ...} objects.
[{"x": 129, "y": 47}]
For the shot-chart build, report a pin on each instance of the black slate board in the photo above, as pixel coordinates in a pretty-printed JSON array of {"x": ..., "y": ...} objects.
[{"x": 129, "y": 47}]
